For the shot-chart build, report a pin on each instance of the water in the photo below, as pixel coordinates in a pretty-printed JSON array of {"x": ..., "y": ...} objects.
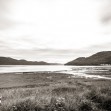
[{"x": 77, "y": 71}]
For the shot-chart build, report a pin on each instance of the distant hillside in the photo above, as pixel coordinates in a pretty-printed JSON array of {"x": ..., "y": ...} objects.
[
  {"x": 96, "y": 59},
  {"x": 11, "y": 61}
]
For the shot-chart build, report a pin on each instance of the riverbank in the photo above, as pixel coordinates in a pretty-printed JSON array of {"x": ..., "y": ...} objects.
[
  {"x": 48, "y": 91},
  {"x": 95, "y": 72},
  {"x": 31, "y": 79}
]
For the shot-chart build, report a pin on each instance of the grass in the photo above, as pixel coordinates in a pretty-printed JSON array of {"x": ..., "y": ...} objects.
[{"x": 53, "y": 92}]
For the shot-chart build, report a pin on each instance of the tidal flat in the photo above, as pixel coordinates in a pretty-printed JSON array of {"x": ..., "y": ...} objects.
[{"x": 49, "y": 91}]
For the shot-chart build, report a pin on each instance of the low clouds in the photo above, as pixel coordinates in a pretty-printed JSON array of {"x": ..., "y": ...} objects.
[
  {"x": 49, "y": 54},
  {"x": 9, "y": 49}
]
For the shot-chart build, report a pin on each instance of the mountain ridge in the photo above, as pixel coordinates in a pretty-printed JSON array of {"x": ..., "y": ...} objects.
[
  {"x": 11, "y": 61},
  {"x": 103, "y": 57}
]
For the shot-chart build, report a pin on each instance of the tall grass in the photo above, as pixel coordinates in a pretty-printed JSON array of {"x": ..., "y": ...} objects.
[{"x": 62, "y": 95}]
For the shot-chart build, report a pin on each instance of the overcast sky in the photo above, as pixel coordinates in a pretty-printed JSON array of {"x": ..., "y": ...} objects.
[{"x": 54, "y": 30}]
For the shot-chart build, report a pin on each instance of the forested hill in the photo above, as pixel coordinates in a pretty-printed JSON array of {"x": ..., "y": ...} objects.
[
  {"x": 11, "y": 61},
  {"x": 100, "y": 58}
]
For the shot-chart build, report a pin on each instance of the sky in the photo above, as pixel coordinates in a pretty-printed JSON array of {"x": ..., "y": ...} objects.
[{"x": 54, "y": 30}]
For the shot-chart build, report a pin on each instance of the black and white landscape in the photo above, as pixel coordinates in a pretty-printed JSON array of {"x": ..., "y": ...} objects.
[
  {"x": 100, "y": 58},
  {"x": 55, "y": 55}
]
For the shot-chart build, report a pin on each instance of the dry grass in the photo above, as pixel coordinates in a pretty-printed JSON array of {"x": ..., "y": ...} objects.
[{"x": 59, "y": 94}]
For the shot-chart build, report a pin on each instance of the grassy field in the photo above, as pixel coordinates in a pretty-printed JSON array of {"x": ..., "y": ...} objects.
[{"x": 53, "y": 92}]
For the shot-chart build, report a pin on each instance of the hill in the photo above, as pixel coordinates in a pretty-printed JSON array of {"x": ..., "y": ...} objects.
[
  {"x": 11, "y": 61},
  {"x": 100, "y": 58}
]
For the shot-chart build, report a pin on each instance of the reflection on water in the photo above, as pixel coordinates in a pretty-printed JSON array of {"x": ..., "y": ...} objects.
[
  {"x": 81, "y": 71},
  {"x": 32, "y": 68}
]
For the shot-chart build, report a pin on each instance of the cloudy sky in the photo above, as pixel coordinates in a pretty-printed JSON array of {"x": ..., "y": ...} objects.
[{"x": 54, "y": 30}]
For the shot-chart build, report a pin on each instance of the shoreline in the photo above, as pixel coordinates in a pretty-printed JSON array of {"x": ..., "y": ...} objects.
[
  {"x": 74, "y": 75},
  {"x": 44, "y": 78},
  {"x": 52, "y": 91}
]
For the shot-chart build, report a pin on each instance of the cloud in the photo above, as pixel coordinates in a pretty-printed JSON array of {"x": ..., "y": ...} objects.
[
  {"x": 38, "y": 54},
  {"x": 5, "y": 12},
  {"x": 101, "y": 47},
  {"x": 9, "y": 49},
  {"x": 106, "y": 12},
  {"x": 6, "y": 23},
  {"x": 53, "y": 31}
]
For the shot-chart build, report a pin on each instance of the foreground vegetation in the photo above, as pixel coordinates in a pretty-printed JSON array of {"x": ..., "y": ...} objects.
[{"x": 53, "y": 92}]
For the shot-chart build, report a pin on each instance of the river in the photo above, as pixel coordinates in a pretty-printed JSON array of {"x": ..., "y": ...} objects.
[{"x": 76, "y": 71}]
